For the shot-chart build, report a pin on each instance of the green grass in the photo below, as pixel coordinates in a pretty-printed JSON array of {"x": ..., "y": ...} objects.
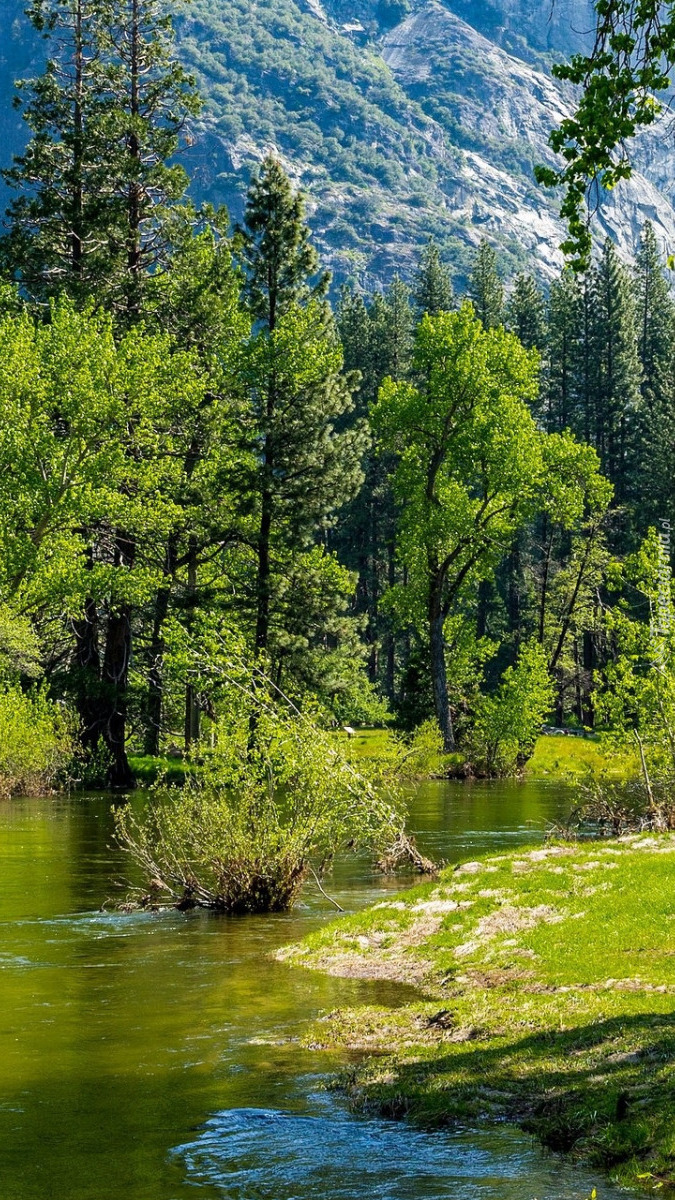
[
  {"x": 147, "y": 769},
  {"x": 546, "y": 982},
  {"x": 558, "y": 757}
]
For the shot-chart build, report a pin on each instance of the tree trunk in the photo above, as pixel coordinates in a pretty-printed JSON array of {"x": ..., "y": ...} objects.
[
  {"x": 88, "y": 663},
  {"x": 484, "y": 597},
  {"x": 262, "y": 627},
  {"x": 192, "y": 723},
  {"x": 514, "y": 598},
  {"x": 590, "y": 662},
  {"x": 439, "y": 677},
  {"x": 116, "y": 663},
  {"x": 390, "y": 679},
  {"x": 155, "y": 696},
  {"x": 134, "y": 151},
  {"x": 115, "y": 676},
  {"x": 76, "y": 235}
]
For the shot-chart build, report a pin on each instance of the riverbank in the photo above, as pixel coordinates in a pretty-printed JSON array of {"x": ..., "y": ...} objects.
[
  {"x": 547, "y": 998},
  {"x": 558, "y": 758}
]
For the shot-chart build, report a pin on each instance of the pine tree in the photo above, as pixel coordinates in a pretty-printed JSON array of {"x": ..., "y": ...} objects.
[
  {"x": 655, "y": 314},
  {"x": 96, "y": 185},
  {"x": 57, "y": 221},
  {"x": 526, "y": 313},
  {"x": 656, "y": 332},
  {"x": 354, "y": 329},
  {"x": 433, "y": 287},
  {"x": 306, "y": 468},
  {"x": 280, "y": 263},
  {"x": 564, "y": 337},
  {"x": 616, "y": 370},
  {"x": 485, "y": 287},
  {"x": 392, "y": 323},
  {"x": 153, "y": 96}
]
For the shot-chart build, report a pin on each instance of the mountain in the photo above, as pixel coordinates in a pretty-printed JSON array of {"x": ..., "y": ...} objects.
[{"x": 399, "y": 120}]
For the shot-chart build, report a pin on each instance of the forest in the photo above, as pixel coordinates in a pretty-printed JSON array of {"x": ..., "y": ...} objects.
[
  {"x": 407, "y": 507},
  {"x": 304, "y": 590}
]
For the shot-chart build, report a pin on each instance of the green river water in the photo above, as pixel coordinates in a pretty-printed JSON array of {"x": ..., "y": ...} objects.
[{"x": 157, "y": 1057}]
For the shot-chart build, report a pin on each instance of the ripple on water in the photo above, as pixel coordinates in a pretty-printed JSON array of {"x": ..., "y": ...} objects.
[{"x": 267, "y": 1154}]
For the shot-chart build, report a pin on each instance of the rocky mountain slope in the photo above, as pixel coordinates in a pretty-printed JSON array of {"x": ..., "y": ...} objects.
[{"x": 399, "y": 121}]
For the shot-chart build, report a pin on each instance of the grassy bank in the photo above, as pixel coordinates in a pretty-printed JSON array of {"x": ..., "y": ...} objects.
[
  {"x": 547, "y": 997},
  {"x": 561, "y": 757},
  {"x": 147, "y": 770},
  {"x": 556, "y": 758}
]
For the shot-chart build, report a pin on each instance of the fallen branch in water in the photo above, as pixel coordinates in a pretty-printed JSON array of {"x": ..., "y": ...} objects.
[{"x": 404, "y": 852}]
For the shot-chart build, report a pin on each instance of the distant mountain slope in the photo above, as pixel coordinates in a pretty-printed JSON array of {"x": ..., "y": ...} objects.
[{"x": 398, "y": 123}]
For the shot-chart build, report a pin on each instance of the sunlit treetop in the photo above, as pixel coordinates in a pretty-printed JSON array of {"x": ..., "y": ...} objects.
[{"x": 621, "y": 79}]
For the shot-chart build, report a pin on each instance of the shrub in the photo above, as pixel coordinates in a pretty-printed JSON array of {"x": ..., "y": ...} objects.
[
  {"x": 507, "y": 723},
  {"x": 244, "y": 834},
  {"x": 37, "y": 739},
  {"x": 421, "y": 754}
]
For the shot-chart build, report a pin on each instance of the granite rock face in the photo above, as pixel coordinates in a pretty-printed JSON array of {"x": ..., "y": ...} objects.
[{"x": 399, "y": 118}]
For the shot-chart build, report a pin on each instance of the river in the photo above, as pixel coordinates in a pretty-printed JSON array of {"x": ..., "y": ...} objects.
[{"x": 158, "y": 1057}]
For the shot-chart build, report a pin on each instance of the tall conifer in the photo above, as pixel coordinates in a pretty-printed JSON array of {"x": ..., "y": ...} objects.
[
  {"x": 656, "y": 334},
  {"x": 95, "y": 184},
  {"x": 564, "y": 343},
  {"x": 433, "y": 287},
  {"x": 526, "y": 313},
  {"x": 616, "y": 370},
  {"x": 486, "y": 290},
  {"x": 306, "y": 468}
]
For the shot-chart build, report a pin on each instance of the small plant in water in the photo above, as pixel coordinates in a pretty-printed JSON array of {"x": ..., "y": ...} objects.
[{"x": 265, "y": 812}]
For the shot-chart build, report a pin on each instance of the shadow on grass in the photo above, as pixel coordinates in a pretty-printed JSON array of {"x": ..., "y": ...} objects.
[{"x": 605, "y": 1090}]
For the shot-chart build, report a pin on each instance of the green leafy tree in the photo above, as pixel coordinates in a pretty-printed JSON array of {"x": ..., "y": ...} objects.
[
  {"x": 506, "y": 724},
  {"x": 569, "y": 562},
  {"x": 621, "y": 77},
  {"x": 365, "y": 539},
  {"x": 636, "y": 693},
  {"x": 469, "y": 465}
]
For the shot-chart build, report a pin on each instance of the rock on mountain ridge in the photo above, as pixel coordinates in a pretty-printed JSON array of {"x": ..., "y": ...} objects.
[{"x": 398, "y": 121}]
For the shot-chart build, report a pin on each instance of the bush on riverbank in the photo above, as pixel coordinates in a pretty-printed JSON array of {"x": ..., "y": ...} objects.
[
  {"x": 37, "y": 741},
  {"x": 546, "y": 983},
  {"x": 262, "y": 815},
  {"x": 506, "y": 724}
]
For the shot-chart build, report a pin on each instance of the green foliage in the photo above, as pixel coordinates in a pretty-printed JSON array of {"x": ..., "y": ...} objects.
[
  {"x": 468, "y": 472},
  {"x": 422, "y": 755},
  {"x": 506, "y": 724},
  {"x": 636, "y": 699},
  {"x": 486, "y": 290},
  {"x": 525, "y": 313},
  {"x": 433, "y": 286},
  {"x": 246, "y": 833},
  {"x": 95, "y": 183},
  {"x": 621, "y": 78},
  {"x": 276, "y": 252},
  {"x": 37, "y": 742}
]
